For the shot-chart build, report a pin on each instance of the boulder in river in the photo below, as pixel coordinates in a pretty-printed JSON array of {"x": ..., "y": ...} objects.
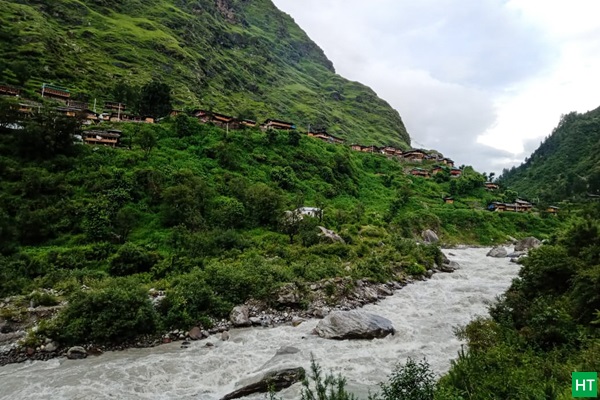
[
  {"x": 497, "y": 252},
  {"x": 76, "y": 353},
  {"x": 195, "y": 333},
  {"x": 354, "y": 324},
  {"x": 240, "y": 316},
  {"x": 430, "y": 236},
  {"x": 277, "y": 380},
  {"x": 527, "y": 243}
]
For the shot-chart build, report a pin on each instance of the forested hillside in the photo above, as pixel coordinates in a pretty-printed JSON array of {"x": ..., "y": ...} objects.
[
  {"x": 242, "y": 58},
  {"x": 565, "y": 166},
  {"x": 200, "y": 213}
]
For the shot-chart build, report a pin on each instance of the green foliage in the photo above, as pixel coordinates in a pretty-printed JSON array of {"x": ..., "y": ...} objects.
[
  {"x": 155, "y": 99},
  {"x": 116, "y": 312},
  {"x": 131, "y": 259},
  {"x": 330, "y": 387},
  {"x": 411, "y": 381}
]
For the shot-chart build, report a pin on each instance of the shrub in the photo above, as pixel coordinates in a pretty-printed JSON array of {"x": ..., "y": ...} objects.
[
  {"x": 412, "y": 381},
  {"x": 115, "y": 313},
  {"x": 131, "y": 259}
]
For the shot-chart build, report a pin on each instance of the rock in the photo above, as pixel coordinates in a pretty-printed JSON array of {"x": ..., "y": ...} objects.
[
  {"x": 450, "y": 267},
  {"x": 224, "y": 336},
  {"x": 50, "y": 347},
  {"x": 76, "y": 353},
  {"x": 30, "y": 351},
  {"x": 430, "y": 236},
  {"x": 240, "y": 316},
  {"x": 330, "y": 236},
  {"x": 195, "y": 333},
  {"x": 517, "y": 254},
  {"x": 205, "y": 334},
  {"x": 429, "y": 273},
  {"x": 354, "y": 324},
  {"x": 209, "y": 344},
  {"x": 255, "y": 321},
  {"x": 297, "y": 321},
  {"x": 289, "y": 296},
  {"x": 527, "y": 243},
  {"x": 497, "y": 252},
  {"x": 276, "y": 380},
  {"x": 321, "y": 312},
  {"x": 512, "y": 240}
]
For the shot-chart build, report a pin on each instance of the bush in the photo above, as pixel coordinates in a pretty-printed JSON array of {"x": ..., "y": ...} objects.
[
  {"x": 412, "y": 381},
  {"x": 131, "y": 259},
  {"x": 115, "y": 313}
]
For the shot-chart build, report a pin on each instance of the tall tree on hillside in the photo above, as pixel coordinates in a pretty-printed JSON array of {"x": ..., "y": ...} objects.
[{"x": 155, "y": 99}]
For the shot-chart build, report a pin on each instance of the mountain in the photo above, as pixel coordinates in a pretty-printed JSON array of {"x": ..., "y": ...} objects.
[
  {"x": 565, "y": 166},
  {"x": 238, "y": 57}
]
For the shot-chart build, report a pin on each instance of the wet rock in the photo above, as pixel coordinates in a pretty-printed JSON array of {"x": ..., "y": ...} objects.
[
  {"x": 287, "y": 350},
  {"x": 50, "y": 347},
  {"x": 527, "y": 243},
  {"x": 354, "y": 324},
  {"x": 256, "y": 321},
  {"x": 517, "y": 254},
  {"x": 297, "y": 321},
  {"x": 429, "y": 273},
  {"x": 209, "y": 344},
  {"x": 224, "y": 336},
  {"x": 497, "y": 252},
  {"x": 430, "y": 236},
  {"x": 240, "y": 316},
  {"x": 277, "y": 380},
  {"x": 450, "y": 267},
  {"x": 195, "y": 333},
  {"x": 76, "y": 353}
]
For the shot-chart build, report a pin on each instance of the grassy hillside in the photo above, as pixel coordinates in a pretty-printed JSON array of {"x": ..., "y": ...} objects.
[
  {"x": 242, "y": 58},
  {"x": 191, "y": 204},
  {"x": 565, "y": 166}
]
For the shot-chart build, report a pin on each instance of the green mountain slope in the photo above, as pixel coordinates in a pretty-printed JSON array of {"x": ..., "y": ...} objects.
[
  {"x": 239, "y": 57},
  {"x": 565, "y": 166}
]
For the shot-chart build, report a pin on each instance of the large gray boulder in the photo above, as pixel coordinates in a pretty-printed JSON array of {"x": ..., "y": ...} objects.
[
  {"x": 76, "y": 353},
  {"x": 430, "y": 236},
  {"x": 329, "y": 236},
  {"x": 277, "y": 380},
  {"x": 527, "y": 243},
  {"x": 240, "y": 316},
  {"x": 497, "y": 252},
  {"x": 354, "y": 324}
]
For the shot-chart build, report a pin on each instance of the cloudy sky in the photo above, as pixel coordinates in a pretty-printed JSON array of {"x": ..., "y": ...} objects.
[{"x": 483, "y": 81}]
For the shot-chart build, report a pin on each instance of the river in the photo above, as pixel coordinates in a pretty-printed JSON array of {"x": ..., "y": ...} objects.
[{"x": 424, "y": 314}]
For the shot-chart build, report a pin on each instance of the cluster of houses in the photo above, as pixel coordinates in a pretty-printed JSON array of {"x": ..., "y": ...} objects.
[{"x": 518, "y": 206}]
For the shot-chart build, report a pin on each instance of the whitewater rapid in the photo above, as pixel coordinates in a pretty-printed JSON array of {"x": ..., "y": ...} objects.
[{"x": 424, "y": 314}]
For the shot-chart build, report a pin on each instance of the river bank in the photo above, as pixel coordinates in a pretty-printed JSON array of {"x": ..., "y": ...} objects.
[
  {"x": 293, "y": 305},
  {"x": 424, "y": 313}
]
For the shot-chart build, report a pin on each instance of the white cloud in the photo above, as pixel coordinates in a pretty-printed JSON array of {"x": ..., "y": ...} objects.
[{"x": 477, "y": 80}]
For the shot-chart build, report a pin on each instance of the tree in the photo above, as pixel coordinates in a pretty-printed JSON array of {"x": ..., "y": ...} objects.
[
  {"x": 412, "y": 381},
  {"x": 290, "y": 223},
  {"x": 155, "y": 99},
  {"x": 127, "y": 94},
  {"x": 294, "y": 137},
  {"x": 47, "y": 134},
  {"x": 147, "y": 141}
]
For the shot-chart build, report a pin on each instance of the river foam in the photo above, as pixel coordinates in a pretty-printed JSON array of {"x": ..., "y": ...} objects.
[{"x": 424, "y": 314}]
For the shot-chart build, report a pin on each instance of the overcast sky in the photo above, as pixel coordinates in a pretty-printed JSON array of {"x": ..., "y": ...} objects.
[{"x": 482, "y": 81}]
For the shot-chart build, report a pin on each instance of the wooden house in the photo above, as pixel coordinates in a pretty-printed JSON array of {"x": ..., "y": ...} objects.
[
  {"x": 552, "y": 210},
  {"x": 436, "y": 169},
  {"x": 248, "y": 123},
  {"x": 7, "y": 90},
  {"x": 491, "y": 186},
  {"x": 105, "y": 138},
  {"x": 419, "y": 172},
  {"x": 114, "y": 106},
  {"x": 496, "y": 206},
  {"x": 356, "y": 147},
  {"x": 414, "y": 155},
  {"x": 455, "y": 172},
  {"x": 68, "y": 111},
  {"x": 276, "y": 124},
  {"x": 449, "y": 200},
  {"x": 511, "y": 207},
  {"x": 89, "y": 117},
  {"x": 336, "y": 140},
  {"x": 523, "y": 206},
  {"x": 25, "y": 108},
  {"x": 399, "y": 153},
  {"x": 201, "y": 115},
  {"x": 448, "y": 162},
  {"x": 221, "y": 119},
  {"x": 148, "y": 119},
  {"x": 369, "y": 149},
  {"x": 389, "y": 151},
  {"x": 55, "y": 92},
  {"x": 79, "y": 105}
]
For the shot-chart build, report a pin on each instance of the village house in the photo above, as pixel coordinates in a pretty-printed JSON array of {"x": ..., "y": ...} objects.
[
  {"x": 497, "y": 206},
  {"x": 276, "y": 124},
  {"x": 356, "y": 147},
  {"x": 114, "y": 106},
  {"x": 7, "y": 90},
  {"x": 436, "y": 169},
  {"x": 523, "y": 206},
  {"x": 455, "y": 172},
  {"x": 90, "y": 117},
  {"x": 67, "y": 111},
  {"x": 201, "y": 115},
  {"x": 448, "y": 162},
  {"x": 324, "y": 136},
  {"x": 414, "y": 155},
  {"x": 389, "y": 151},
  {"x": 78, "y": 105},
  {"x": 449, "y": 200},
  {"x": 222, "y": 120},
  {"x": 552, "y": 209},
  {"x": 310, "y": 212},
  {"x": 491, "y": 186},
  {"x": 248, "y": 123},
  {"x": 106, "y": 138},
  {"x": 419, "y": 172},
  {"x": 55, "y": 93},
  {"x": 511, "y": 207}
]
